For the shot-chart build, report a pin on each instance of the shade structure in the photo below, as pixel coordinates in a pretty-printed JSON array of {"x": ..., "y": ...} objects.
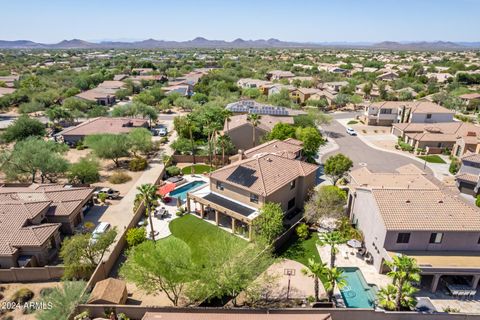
[
  {"x": 166, "y": 188},
  {"x": 354, "y": 243}
]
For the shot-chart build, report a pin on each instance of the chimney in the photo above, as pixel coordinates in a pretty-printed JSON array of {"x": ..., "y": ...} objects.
[{"x": 241, "y": 154}]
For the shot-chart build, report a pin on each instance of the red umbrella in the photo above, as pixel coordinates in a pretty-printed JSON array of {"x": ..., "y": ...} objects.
[{"x": 166, "y": 188}]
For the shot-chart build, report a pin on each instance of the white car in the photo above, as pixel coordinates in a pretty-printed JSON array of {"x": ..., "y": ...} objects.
[
  {"x": 351, "y": 132},
  {"x": 101, "y": 228}
]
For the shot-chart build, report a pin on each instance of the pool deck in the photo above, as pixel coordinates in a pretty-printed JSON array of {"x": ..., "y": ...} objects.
[
  {"x": 369, "y": 272},
  {"x": 161, "y": 225}
]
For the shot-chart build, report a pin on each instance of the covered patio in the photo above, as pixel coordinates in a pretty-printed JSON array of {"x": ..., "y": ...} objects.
[{"x": 223, "y": 212}]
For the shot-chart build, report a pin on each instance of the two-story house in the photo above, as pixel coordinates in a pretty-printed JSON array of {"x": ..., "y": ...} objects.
[
  {"x": 238, "y": 191},
  {"x": 415, "y": 218},
  {"x": 468, "y": 177}
]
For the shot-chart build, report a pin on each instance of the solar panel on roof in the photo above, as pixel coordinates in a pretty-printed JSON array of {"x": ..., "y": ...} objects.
[{"x": 243, "y": 176}]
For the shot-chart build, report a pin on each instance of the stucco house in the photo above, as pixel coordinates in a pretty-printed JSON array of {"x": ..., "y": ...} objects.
[
  {"x": 103, "y": 94},
  {"x": 238, "y": 191},
  {"x": 468, "y": 177},
  {"x": 279, "y": 74},
  {"x": 241, "y": 131},
  {"x": 32, "y": 217},
  {"x": 437, "y": 229}
]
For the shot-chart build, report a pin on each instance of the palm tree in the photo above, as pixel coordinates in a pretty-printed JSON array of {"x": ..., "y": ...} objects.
[
  {"x": 314, "y": 270},
  {"x": 223, "y": 142},
  {"x": 332, "y": 239},
  {"x": 191, "y": 126},
  {"x": 404, "y": 271},
  {"x": 333, "y": 276},
  {"x": 147, "y": 194},
  {"x": 386, "y": 297},
  {"x": 254, "y": 119},
  {"x": 227, "y": 114}
]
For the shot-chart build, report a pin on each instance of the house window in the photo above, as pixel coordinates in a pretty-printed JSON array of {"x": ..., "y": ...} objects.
[
  {"x": 253, "y": 198},
  {"x": 403, "y": 238},
  {"x": 436, "y": 237},
  {"x": 385, "y": 111},
  {"x": 291, "y": 204},
  {"x": 219, "y": 185},
  {"x": 429, "y": 116},
  {"x": 292, "y": 184}
]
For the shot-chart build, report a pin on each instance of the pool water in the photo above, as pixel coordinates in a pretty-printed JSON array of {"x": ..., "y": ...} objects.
[
  {"x": 357, "y": 293},
  {"x": 181, "y": 192}
]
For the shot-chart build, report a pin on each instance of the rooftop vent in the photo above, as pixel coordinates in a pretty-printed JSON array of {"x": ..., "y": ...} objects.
[{"x": 408, "y": 201}]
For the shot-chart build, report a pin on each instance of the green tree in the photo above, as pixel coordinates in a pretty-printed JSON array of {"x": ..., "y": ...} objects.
[
  {"x": 314, "y": 270},
  {"x": 58, "y": 113},
  {"x": 386, "y": 297},
  {"x": 331, "y": 239},
  {"x": 311, "y": 138},
  {"x": 32, "y": 157},
  {"x": 109, "y": 146},
  {"x": 163, "y": 266},
  {"x": 333, "y": 276},
  {"x": 326, "y": 202},
  {"x": 86, "y": 170},
  {"x": 22, "y": 128},
  {"x": 148, "y": 194},
  {"x": 190, "y": 126},
  {"x": 341, "y": 100},
  {"x": 63, "y": 301},
  {"x": 82, "y": 253},
  {"x": 136, "y": 236},
  {"x": 140, "y": 140},
  {"x": 269, "y": 224},
  {"x": 226, "y": 146},
  {"x": 227, "y": 268},
  {"x": 404, "y": 271},
  {"x": 282, "y": 131},
  {"x": 254, "y": 120},
  {"x": 336, "y": 166}
]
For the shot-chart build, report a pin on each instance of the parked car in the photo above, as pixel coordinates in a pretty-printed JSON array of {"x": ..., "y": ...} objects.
[
  {"x": 162, "y": 131},
  {"x": 100, "y": 229},
  {"x": 351, "y": 132},
  {"x": 111, "y": 194}
]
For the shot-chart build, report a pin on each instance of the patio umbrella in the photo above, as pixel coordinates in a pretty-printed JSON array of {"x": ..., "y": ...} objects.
[
  {"x": 354, "y": 243},
  {"x": 166, "y": 188}
]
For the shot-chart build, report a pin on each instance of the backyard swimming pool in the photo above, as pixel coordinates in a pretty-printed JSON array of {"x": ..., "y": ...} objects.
[
  {"x": 181, "y": 192},
  {"x": 357, "y": 293}
]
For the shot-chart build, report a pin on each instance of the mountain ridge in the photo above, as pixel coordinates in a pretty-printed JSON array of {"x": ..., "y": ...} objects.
[{"x": 201, "y": 42}]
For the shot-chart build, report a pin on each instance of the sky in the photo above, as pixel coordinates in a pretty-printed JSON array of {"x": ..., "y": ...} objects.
[{"x": 51, "y": 21}]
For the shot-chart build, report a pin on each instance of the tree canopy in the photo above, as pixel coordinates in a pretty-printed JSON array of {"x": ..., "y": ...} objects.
[
  {"x": 109, "y": 146},
  {"x": 22, "y": 128},
  {"x": 336, "y": 166}
]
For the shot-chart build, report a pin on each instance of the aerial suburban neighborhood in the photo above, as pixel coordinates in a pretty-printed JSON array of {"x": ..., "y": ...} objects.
[{"x": 330, "y": 179}]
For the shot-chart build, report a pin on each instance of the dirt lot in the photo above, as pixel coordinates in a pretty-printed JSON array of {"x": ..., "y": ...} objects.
[{"x": 11, "y": 288}]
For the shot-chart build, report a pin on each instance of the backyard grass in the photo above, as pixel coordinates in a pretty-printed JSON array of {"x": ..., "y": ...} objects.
[
  {"x": 198, "y": 233},
  {"x": 199, "y": 169},
  {"x": 432, "y": 159},
  {"x": 302, "y": 250}
]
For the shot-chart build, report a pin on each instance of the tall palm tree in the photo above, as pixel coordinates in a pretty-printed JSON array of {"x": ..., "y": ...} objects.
[
  {"x": 147, "y": 194},
  {"x": 227, "y": 114},
  {"x": 254, "y": 119},
  {"x": 223, "y": 143},
  {"x": 191, "y": 126},
  {"x": 404, "y": 271},
  {"x": 314, "y": 270},
  {"x": 333, "y": 276},
  {"x": 331, "y": 239}
]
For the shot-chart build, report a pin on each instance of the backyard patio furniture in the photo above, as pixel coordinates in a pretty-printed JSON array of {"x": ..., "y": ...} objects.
[{"x": 354, "y": 243}]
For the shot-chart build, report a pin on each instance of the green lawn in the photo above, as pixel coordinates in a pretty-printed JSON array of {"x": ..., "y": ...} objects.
[
  {"x": 301, "y": 250},
  {"x": 432, "y": 159},
  {"x": 198, "y": 233},
  {"x": 199, "y": 169}
]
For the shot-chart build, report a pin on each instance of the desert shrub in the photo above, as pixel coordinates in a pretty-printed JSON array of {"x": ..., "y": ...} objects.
[
  {"x": 173, "y": 171},
  {"x": 45, "y": 292},
  {"x": 454, "y": 166},
  {"x": 22, "y": 295},
  {"x": 138, "y": 164},
  {"x": 119, "y": 178},
  {"x": 135, "y": 236},
  {"x": 405, "y": 146},
  {"x": 302, "y": 231},
  {"x": 352, "y": 122}
]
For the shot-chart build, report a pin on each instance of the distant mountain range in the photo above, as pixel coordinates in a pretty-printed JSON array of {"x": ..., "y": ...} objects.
[{"x": 200, "y": 42}]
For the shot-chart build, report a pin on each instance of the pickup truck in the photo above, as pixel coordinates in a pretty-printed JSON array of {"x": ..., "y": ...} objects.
[{"x": 111, "y": 194}]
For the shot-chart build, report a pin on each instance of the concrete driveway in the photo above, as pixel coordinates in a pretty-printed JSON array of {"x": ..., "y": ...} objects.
[{"x": 361, "y": 153}]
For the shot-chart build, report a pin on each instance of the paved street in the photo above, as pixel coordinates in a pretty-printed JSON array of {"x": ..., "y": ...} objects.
[{"x": 360, "y": 153}]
